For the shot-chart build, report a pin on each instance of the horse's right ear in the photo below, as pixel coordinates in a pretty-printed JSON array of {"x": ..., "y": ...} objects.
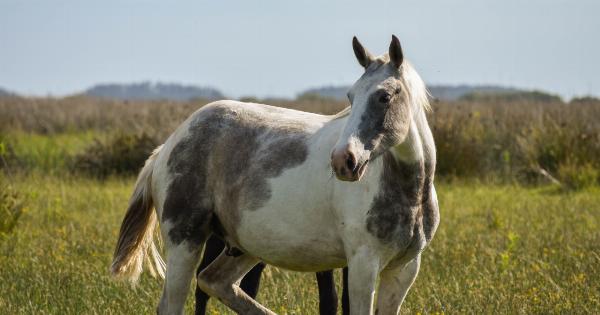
[{"x": 363, "y": 56}]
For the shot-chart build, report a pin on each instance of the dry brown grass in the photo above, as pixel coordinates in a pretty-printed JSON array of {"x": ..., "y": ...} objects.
[{"x": 81, "y": 113}]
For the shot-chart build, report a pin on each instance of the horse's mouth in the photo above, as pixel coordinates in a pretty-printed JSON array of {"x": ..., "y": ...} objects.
[{"x": 354, "y": 176}]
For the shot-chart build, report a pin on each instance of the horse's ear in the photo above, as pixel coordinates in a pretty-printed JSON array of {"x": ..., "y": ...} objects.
[
  {"x": 362, "y": 55},
  {"x": 396, "y": 55}
]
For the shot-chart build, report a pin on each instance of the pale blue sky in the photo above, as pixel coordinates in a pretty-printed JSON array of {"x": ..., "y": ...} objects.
[{"x": 278, "y": 48}]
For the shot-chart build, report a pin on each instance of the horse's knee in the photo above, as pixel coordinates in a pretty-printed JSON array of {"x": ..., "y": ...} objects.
[
  {"x": 210, "y": 285},
  {"x": 204, "y": 284}
]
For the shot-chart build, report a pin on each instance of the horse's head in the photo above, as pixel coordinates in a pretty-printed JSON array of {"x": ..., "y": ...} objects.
[{"x": 380, "y": 114}]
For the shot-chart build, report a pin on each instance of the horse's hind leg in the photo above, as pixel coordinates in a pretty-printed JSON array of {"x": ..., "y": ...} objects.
[
  {"x": 184, "y": 242},
  {"x": 394, "y": 285},
  {"x": 181, "y": 264},
  {"x": 345, "y": 292},
  {"x": 221, "y": 278},
  {"x": 214, "y": 246},
  {"x": 251, "y": 281},
  {"x": 328, "y": 301}
]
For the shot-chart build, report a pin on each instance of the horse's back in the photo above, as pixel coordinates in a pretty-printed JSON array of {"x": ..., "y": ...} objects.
[{"x": 256, "y": 116}]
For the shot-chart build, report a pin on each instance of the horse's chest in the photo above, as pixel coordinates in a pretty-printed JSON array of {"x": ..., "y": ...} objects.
[
  {"x": 395, "y": 215},
  {"x": 395, "y": 221}
]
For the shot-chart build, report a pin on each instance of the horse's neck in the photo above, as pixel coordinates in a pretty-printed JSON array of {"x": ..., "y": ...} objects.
[{"x": 412, "y": 167}]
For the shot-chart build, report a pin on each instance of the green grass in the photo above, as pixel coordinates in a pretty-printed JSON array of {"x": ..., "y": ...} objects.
[
  {"x": 44, "y": 153},
  {"x": 499, "y": 249}
]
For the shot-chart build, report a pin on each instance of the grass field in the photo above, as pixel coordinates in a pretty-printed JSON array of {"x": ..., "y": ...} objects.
[
  {"x": 503, "y": 246},
  {"x": 499, "y": 249}
]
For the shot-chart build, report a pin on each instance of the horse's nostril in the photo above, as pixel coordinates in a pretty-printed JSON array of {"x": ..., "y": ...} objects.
[{"x": 350, "y": 162}]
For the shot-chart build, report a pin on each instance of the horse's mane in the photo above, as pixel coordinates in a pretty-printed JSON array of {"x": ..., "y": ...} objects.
[
  {"x": 417, "y": 91},
  {"x": 343, "y": 113}
]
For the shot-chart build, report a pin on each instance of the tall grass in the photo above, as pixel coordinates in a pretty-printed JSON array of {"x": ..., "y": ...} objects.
[
  {"x": 493, "y": 140},
  {"x": 81, "y": 113},
  {"x": 48, "y": 154},
  {"x": 527, "y": 142}
]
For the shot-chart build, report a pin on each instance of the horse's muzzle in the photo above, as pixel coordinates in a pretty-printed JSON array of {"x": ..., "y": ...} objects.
[{"x": 346, "y": 166}]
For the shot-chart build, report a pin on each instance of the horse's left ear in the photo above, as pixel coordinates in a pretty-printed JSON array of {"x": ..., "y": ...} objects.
[{"x": 396, "y": 55}]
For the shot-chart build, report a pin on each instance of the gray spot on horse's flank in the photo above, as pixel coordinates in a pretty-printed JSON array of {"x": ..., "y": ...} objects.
[
  {"x": 188, "y": 203},
  {"x": 223, "y": 166},
  {"x": 395, "y": 213}
]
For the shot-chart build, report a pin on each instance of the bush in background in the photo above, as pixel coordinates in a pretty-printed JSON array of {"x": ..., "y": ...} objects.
[
  {"x": 574, "y": 176},
  {"x": 7, "y": 154},
  {"x": 11, "y": 208},
  {"x": 120, "y": 154},
  {"x": 522, "y": 141}
]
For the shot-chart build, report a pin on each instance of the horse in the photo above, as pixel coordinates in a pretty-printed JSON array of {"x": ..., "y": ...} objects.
[
  {"x": 328, "y": 304},
  {"x": 296, "y": 190}
]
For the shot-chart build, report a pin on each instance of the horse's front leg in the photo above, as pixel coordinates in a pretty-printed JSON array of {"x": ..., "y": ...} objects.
[
  {"x": 393, "y": 286},
  {"x": 363, "y": 268}
]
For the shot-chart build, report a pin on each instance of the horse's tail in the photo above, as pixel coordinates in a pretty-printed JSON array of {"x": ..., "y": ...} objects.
[{"x": 136, "y": 244}]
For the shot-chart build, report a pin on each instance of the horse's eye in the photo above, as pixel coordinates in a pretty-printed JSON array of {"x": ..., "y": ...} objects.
[{"x": 385, "y": 98}]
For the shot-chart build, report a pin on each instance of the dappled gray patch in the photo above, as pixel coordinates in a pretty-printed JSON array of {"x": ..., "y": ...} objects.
[
  {"x": 395, "y": 213},
  {"x": 223, "y": 166}
]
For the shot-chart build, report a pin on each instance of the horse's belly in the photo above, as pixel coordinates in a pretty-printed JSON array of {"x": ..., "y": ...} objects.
[
  {"x": 296, "y": 229},
  {"x": 301, "y": 256},
  {"x": 298, "y": 247}
]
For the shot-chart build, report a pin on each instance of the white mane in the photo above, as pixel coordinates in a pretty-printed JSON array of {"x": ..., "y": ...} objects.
[{"x": 417, "y": 91}]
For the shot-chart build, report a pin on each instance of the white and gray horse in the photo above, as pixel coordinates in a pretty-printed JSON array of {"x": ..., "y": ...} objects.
[{"x": 261, "y": 178}]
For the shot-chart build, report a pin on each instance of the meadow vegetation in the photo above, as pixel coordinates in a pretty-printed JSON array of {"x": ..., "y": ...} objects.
[
  {"x": 517, "y": 183},
  {"x": 500, "y": 249},
  {"x": 499, "y": 140}
]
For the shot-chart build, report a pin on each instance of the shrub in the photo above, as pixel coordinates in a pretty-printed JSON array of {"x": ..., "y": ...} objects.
[
  {"x": 11, "y": 208},
  {"x": 573, "y": 176},
  {"x": 525, "y": 142},
  {"x": 7, "y": 154},
  {"x": 120, "y": 154}
]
